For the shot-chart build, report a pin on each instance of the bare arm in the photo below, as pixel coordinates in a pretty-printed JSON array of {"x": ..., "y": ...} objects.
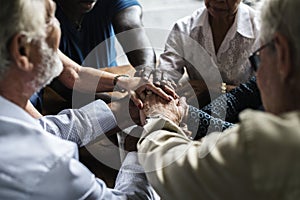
[
  {"x": 135, "y": 42},
  {"x": 93, "y": 80},
  {"x": 86, "y": 78}
]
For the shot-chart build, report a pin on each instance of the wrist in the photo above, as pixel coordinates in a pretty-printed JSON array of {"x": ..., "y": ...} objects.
[
  {"x": 117, "y": 82},
  {"x": 163, "y": 116}
]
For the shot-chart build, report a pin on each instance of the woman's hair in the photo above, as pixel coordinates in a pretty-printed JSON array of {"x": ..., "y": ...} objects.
[
  {"x": 19, "y": 17},
  {"x": 282, "y": 16}
]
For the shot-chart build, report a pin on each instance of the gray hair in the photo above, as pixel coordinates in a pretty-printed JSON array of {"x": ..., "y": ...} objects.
[
  {"x": 19, "y": 16},
  {"x": 282, "y": 16}
]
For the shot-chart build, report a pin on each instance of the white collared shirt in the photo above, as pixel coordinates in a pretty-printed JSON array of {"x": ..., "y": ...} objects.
[
  {"x": 35, "y": 164},
  {"x": 231, "y": 60}
]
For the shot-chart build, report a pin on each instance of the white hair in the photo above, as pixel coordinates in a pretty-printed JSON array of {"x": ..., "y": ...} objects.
[
  {"x": 19, "y": 16},
  {"x": 282, "y": 16}
]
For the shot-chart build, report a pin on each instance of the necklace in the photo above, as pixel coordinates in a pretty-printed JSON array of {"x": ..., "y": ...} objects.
[{"x": 78, "y": 23}]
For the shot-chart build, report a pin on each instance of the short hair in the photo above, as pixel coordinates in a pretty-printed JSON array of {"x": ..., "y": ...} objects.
[
  {"x": 282, "y": 16},
  {"x": 19, "y": 16}
]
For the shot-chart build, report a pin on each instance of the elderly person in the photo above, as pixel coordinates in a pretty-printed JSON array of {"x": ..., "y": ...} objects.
[
  {"x": 34, "y": 163},
  {"x": 258, "y": 159},
  {"x": 213, "y": 44}
]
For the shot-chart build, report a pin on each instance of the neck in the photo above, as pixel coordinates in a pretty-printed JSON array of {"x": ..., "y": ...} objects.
[
  {"x": 286, "y": 101},
  {"x": 221, "y": 23},
  {"x": 220, "y": 27},
  {"x": 14, "y": 90}
]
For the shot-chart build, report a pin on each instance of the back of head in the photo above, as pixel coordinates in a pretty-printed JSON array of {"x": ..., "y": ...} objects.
[
  {"x": 19, "y": 17},
  {"x": 282, "y": 16}
]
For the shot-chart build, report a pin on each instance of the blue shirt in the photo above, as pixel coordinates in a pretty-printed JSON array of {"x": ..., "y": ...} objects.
[{"x": 96, "y": 27}]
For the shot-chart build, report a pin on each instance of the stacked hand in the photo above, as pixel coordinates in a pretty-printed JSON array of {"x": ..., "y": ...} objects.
[
  {"x": 154, "y": 105},
  {"x": 147, "y": 98},
  {"x": 147, "y": 78}
]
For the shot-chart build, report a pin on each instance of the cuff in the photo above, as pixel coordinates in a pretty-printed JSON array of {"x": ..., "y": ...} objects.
[{"x": 160, "y": 123}]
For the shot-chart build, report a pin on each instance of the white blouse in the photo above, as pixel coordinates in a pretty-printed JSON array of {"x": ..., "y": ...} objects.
[{"x": 190, "y": 44}]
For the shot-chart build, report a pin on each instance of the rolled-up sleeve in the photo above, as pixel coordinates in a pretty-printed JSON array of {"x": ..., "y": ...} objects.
[{"x": 80, "y": 125}]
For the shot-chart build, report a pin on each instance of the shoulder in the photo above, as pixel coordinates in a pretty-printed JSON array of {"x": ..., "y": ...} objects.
[
  {"x": 268, "y": 129},
  {"x": 272, "y": 146},
  {"x": 120, "y": 4},
  {"x": 17, "y": 132},
  {"x": 29, "y": 152},
  {"x": 186, "y": 23}
]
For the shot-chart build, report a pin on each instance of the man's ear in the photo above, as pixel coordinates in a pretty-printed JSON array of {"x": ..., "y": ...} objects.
[
  {"x": 19, "y": 50},
  {"x": 284, "y": 56}
]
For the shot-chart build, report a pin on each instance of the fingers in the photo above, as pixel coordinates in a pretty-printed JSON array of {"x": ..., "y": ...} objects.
[
  {"x": 183, "y": 108},
  {"x": 167, "y": 85},
  {"x": 144, "y": 73},
  {"x": 142, "y": 118},
  {"x": 158, "y": 91},
  {"x": 157, "y": 76},
  {"x": 182, "y": 102},
  {"x": 137, "y": 99},
  {"x": 159, "y": 79},
  {"x": 169, "y": 90}
]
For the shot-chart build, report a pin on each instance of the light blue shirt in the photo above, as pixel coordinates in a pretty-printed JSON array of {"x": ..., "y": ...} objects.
[
  {"x": 80, "y": 125},
  {"x": 35, "y": 164}
]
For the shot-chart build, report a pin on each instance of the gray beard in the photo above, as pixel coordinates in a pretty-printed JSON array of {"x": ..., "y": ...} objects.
[{"x": 49, "y": 68}]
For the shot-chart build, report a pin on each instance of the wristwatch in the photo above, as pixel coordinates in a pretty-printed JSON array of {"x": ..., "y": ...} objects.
[{"x": 115, "y": 81}]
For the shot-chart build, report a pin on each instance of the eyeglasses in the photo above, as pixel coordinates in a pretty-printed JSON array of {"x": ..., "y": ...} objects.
[{"x": 255, "y": 57}]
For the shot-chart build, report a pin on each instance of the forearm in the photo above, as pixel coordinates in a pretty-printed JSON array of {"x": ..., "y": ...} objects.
[
  {"x": 80, "y": 125},
  {"x": 85, "y": 79},
  {"x": 91, "y": 79},
  {"x": 172, "y": 61},
  {"x": 133, "y": 38},
  {"x": 162, "y": 150},
  {"x": 166, "y": 152},
  {"x": 201, "y": 124},
  {"x": 142, "y": 57},
  {"x": 229, "y": 105}
]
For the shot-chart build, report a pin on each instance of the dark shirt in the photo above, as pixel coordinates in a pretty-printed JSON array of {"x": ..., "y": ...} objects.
[
  {"x": 96, "y": 30},
  {"x": 92, "y": 44},
  {"x": 222, "y": 112}
]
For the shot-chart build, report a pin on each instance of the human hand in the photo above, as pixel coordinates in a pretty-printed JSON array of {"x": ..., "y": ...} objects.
[
  {"x": 125, "y": 112},
  {"x": 230, "y": 87},
  {"x": 175, "y": 110},
  {"x": 136, "y": 86},
  {"x": 158, "y": 77}
]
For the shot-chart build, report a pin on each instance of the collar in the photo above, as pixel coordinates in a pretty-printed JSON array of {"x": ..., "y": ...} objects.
[
  {"x": 202, "y": 19},
  {"x": 242, "y": 22},
  {"x": 9, "y": 109}
]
